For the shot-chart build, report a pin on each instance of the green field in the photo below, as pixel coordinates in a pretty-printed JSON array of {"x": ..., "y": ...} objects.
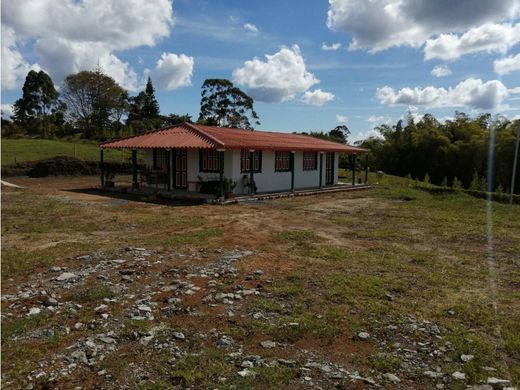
[{"x": 22, "y": 150}]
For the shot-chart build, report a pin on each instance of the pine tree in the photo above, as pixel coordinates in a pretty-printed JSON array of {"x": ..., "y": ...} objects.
[
  {"x": 444, "y": 182},
  {"x": 150, "y": 109},
  {"x": 475, "y": 184},
  {"x": 457, "y": 184},
  {"x": 426, "y": 179}
]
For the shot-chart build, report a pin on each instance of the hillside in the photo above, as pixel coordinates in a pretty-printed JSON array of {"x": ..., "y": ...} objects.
[{"x": 22, "y": 150}]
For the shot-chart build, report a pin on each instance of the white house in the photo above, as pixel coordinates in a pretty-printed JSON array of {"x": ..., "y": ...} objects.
[{"x": 217, "y": 160}]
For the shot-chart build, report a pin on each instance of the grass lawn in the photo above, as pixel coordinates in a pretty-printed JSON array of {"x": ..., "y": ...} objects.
[
  {"x": 430, "y": 278},
  {"x": 22, "y": 150}
]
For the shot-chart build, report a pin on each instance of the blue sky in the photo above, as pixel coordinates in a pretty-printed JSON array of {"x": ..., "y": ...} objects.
[{"x": 378, "y": 65}]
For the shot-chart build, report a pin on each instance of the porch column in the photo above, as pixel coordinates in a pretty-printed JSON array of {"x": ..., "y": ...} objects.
[
  {"x": 354, "y": 169},
  {"x": 366, "y": 168},
  {"x": 221, "y": 171},
  {"x": 321, "y": 169},
  {"x": 135, "y": 184},
  {"x": 292, "y": 170},
  {"x": 102, "y": 167},
  {"x": 251, "y": 173},
  {"x": 169, "y": 169}
]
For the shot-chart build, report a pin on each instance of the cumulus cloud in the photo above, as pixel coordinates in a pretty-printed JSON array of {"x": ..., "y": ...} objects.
[
  {"x": 441, "y": 71},
  {"x": 6, "y": 110},
  {"x": 341, "y": 118},
  {"x": 14, "y": 66},
  {"x": 251, "y": 28},
  {"x": 375, "y": 119},
  {"x": 380, "y": 24},
  {"x": 280, "y": 77},
  {"x": 331, "y": 47},
  {"x": 317, "y": 97},
  {"x": 507, "y": 65},
  {"x": 173, "y": 71},
  {"x": 70, "y": 35},
  {"x": 490, "y": 38},
  {"x": 471, "y": 93}
]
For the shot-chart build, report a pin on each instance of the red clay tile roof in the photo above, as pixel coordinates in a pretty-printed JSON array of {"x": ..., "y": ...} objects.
[{"x": 190, "y": 135}]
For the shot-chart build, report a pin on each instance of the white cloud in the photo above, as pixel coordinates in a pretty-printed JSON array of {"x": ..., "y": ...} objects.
[
  {"x": 281, "y": 77},
  {"x": 490, "y": 38},
  {"x": 471, "y": 93},
  {"x": 14, "y": 66},
  {"x": 375, "y": 119},
  {"x": 507, "y": 65},
  {"x": 250, "y": 27},
  {"x": 317, "y": 97},
  {"x": 331, "y": 47},
  {"x": 441, "y": 71},
  {"x": 173, "y": 71},
  {"x": 6, "y": 110},
  {"x": 361, "y": 136},
  {"x": 341, "y": 118},
  {"x": 70, "y": 35},
  {"x": 63, "y": 57},
  {"x": 380, "y": 24}
]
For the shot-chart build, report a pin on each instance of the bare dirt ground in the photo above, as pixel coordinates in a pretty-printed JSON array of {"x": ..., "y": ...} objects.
[{"x": 389, "y": 288}]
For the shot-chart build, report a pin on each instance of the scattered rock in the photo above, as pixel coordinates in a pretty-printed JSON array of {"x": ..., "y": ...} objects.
[
  {"x": 268, "y": 344},
  {"x": 433, "y": 374},
  {"x": 245, "y": 372},
  {"x": 497, "y": 383},
  {"x": 391, "y": 377},
  {"x": 79, "y": 356},
  {"x": 67, "y": 277},
  {"x": 466, "y": 358},
  {"x": 363, "y": 336},
  {"x": 179, "y": 335},
  {"x": 51, "y": 302},
  {"x": 459, "y": 376},
  {"x": 33, "y": 311}
]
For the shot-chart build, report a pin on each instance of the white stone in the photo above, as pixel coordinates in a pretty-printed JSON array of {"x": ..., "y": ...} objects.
[
  {"x": 363, "y": 335},
  {"x": 496, "y": 382},
  {"x": 245, "y": 372},
  {"x": 268, "y": 344},
  {"x": 101, "y": 308},
  {"x": 33, "y": 311},
  {"x": 66, "y": 276},
  {"x": 466, "y": 358},
  {"x": 391, "y": 377},
  {"x": 460, "y": 376}
]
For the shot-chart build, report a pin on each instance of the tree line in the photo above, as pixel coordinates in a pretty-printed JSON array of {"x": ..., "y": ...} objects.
[
  {"x": 453, "y": 153},
  {"x": 92, "y": 105}
]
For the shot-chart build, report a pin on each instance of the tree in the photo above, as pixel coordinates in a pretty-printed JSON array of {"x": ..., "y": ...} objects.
[
  {"x": 144, "y": 113},
  {"x": 223, "y": 104},
  {"x": 174, "y": 119},
  {"x": 94, "y": 101},
  {"x": 340, "y": 132},
  {"x": 150, "y": 105},
  {"x": 39, "y": 109}
]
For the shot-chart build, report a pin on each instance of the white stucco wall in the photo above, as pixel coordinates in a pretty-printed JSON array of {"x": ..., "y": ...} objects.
[{"x": 266, "y": 181}]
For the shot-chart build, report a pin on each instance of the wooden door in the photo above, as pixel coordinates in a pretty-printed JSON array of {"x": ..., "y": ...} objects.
[
  {"x": 329, "y": 168},
  {"x": 180, "y": 159}
]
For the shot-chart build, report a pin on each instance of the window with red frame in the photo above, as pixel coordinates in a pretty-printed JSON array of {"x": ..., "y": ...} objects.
[
  {"x": 282, "y": 161},
  {"x": 245, "y": 161},
  {"x": 310, "y": 161},
  {"x": 209, "y": 161}
]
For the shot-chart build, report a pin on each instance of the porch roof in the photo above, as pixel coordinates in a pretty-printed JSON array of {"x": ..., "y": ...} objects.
[{"x": 192, "y": 136}]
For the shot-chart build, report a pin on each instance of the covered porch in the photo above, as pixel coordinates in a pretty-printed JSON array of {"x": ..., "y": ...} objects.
[{"x": 223, "y": 164}]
